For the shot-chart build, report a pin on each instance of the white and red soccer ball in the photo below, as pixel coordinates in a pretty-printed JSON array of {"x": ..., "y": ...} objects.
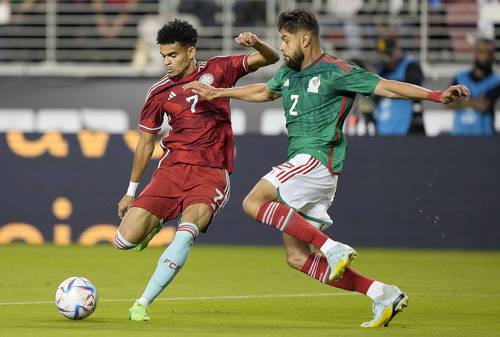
[{"x": 76, "y": 298}]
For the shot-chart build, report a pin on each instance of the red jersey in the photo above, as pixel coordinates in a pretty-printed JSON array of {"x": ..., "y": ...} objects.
[{"x": 201, "y": 132}]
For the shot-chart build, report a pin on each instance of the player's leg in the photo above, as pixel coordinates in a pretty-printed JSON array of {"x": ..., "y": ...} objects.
[
  {"x": 261, "y": 204},
  {"x": 135, "y": 225},
  {"x": 149, "y": 236},
  {"x": 195, "y": 218},
  {"x": 208, "y": 193},
  {"x": 388, "y": 300},
  {"x": 157, "y": 201},
  {"x": 302, "y": 258}
]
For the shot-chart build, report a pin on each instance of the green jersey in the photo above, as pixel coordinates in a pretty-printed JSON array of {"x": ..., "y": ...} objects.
[{"x": 316, "y": 101}]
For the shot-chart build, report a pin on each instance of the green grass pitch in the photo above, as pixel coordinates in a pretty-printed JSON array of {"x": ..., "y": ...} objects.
[{"x": 248, "y": 291}]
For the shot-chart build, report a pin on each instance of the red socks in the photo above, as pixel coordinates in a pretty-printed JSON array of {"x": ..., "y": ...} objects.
[
  {"x": 287, "y": 220},
  {"x": 317, "y": 267}
]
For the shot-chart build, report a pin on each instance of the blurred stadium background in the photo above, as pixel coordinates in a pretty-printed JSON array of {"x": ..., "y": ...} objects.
[{"x": 73, "y": 75}]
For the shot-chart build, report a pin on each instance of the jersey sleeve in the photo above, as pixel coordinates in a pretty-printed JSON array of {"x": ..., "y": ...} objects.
[
  {"x": 235, "y": 67},
  {"x": 358, "y": 80},
  {"x": 151, "y": 118},
  {"x": 276, "y": 82}
]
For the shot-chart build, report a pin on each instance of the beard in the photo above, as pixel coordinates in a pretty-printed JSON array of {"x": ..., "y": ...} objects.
[
  {"x": 486, "y": 68},
  {"x": 295, "y": 61}
]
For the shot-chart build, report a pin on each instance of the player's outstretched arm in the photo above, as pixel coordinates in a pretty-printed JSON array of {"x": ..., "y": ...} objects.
[
  {"x": 265, "y": 54},
  {"x": 396, "y": 89},
  {"x": 142, "y": 156},
  {"x": 251, "y": 93}
]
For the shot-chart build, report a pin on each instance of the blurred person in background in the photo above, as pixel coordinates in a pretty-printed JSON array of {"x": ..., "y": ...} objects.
[
  {"x": 475, "y": 117},
  {"x": 115, "y": 21},
  {"x": 205, "y": 11},
  {"x": 249, "y": 13},
  {"x": 398, "y": 116},
  {"x": 112, "y": 16},
  {"x": 102, "y": 32},
  {"x": 198, "y": 13},
  {"x": 146, "y": 48},
  {"x": 341, "y": 28}
]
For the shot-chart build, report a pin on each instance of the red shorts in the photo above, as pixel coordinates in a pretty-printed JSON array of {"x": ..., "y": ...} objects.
[{"x": 175, "y": 187}]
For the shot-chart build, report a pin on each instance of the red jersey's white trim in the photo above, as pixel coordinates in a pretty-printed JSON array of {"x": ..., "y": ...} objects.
[
  {"x": 150, "y": 129},
  {"x": 167, "y": 152},
  {"x": 227, "y": 193},
  {"x": 245, "y": 63},
  {"x": 161, "y": 82}
]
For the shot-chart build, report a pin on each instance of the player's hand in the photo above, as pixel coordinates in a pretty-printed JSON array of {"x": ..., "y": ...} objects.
[
  {"x": 206, "y": 91},
  {"x": 247, "y": 39},
  {"x": 455, "y": 92},
  {"x": 124, "y": 205}
]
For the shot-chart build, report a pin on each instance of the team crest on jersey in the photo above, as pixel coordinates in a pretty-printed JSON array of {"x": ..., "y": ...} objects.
[
  {"x": 314, "y": 84},
  {"x": 207, "y": 79}
]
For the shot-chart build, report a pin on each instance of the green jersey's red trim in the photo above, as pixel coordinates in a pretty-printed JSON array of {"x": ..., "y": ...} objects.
[
  {"x": 332, "y": 150},
  {"x": 342, "y": 64}
]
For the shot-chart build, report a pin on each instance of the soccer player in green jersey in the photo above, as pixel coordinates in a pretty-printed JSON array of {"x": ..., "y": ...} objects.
[{"x": 317, "y": 92}]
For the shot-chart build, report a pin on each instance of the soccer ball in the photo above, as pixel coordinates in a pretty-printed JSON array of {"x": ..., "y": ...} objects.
[{"x": 76, "y": 298}]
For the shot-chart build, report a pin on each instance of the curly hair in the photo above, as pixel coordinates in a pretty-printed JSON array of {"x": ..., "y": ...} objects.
[
  {"x": 178, "y": 31},
  {"x": 297, "y": 20}
]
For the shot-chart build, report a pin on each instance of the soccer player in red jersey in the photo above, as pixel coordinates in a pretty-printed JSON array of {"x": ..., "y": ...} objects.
[{"x": 192, "y": 177}]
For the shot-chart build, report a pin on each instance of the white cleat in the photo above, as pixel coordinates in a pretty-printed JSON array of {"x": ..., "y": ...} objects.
[
  {"x": 339, "y": 257},
  {"x": 393, "y": 302}
]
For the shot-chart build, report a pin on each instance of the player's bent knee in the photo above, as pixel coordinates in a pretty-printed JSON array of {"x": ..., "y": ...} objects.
[{"x": 251, "y": 206}]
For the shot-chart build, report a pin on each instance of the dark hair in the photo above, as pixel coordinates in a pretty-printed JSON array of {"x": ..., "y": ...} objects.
[
  {"x": 297, "y": 20},
  {"x": 177, "y": 31}
]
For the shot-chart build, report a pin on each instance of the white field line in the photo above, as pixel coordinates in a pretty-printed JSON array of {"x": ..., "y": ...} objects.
[
  {"x": 200, "y": 298},
  {"x": 251, "y": 297}
]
